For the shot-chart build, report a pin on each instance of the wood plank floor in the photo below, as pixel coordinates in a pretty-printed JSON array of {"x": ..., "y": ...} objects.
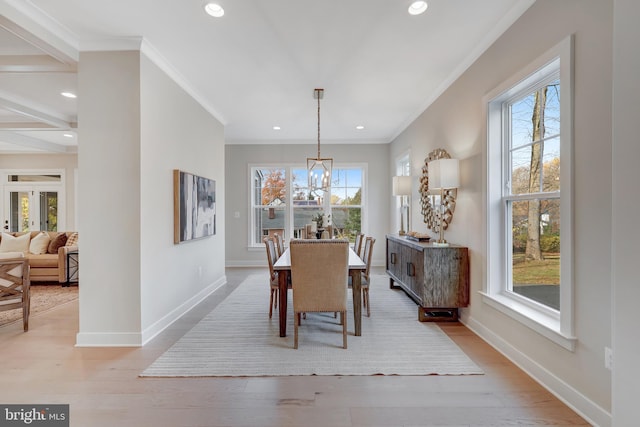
[{"x": 103, "y": 388}]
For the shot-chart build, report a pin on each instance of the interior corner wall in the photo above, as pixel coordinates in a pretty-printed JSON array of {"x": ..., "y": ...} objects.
[
  {"x": 109, "y": 198},
  {"x": 238, "y": 159},
  {"x": 67, "y": 162},
  {"x": 456, "y": 121},
  {"x": 626, "y": 211},
  {"x": 176, "y": 133}
]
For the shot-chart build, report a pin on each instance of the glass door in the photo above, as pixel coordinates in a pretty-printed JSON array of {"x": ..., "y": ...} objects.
[{"x": 29, "y": 209}]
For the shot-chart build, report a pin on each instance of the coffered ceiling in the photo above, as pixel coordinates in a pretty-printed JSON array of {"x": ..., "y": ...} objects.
[{"x": 254, "y": 68}]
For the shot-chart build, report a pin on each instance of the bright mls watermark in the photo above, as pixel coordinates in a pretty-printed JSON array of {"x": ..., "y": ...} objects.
[{"x": 34, "y": 415}]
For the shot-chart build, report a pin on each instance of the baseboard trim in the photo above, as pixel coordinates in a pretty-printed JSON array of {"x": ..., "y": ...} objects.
[
  {"x": 134, "y": 339},
  {"x": 152, "y": 331},
  {"x": 586, "y": 408}
]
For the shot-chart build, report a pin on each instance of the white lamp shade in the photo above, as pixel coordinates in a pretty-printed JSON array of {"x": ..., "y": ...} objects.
[
  {"x": 401, "y": 185},
  {"x": 444, "y": 173}
]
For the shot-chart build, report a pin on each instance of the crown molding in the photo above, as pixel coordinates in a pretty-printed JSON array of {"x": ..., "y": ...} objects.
[
  {"x": 503, "y": 25},
  {"x": 158, "y": 59}
]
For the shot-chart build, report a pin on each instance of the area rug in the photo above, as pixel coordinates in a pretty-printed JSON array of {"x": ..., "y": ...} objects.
[
  {"x": 238, "y": 339},
  {"x": 43, "y": 298}
]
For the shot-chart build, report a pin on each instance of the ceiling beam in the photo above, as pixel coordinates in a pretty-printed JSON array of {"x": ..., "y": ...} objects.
[
  {"x": 23, "y": 110},
  {"x": 33, "y": 64},
  {"x": 27, "y": 141}
]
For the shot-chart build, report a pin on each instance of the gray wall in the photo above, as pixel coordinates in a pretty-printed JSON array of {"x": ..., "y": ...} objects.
[
  {"x": 456, "y": 121},
  {"x": 238, "y": 159},
  {"x": 626, "y": 211}
]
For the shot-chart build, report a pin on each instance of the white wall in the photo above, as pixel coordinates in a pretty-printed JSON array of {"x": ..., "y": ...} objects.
[
  {"x": 456, "y": 121},
  {"x": 135, "y": 130},
  {"x": 626, "y": 211},
  {"x": 177, "y": 133},
  {"x": 68, "y": 162},
  {"x": 239, "y": 157},
  {"x": 109, "y": 197}
]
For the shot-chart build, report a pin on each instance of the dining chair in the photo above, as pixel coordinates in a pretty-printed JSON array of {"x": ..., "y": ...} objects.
[
  {"x": 15, "y": 290},
  {"x": 357, "y": 246},
  {"x": 319, "y": 273},
  {"x": 366, "y": 279},
  {"x": 279, "y": 243},
  {"x": 272, "y": 257}
]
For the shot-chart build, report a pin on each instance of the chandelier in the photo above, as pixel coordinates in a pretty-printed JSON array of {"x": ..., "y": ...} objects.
[{"x": 319, "y": 168}]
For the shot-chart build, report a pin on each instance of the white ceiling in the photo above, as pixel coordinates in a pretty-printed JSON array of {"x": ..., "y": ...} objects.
[{"x": 254, "y": 68}]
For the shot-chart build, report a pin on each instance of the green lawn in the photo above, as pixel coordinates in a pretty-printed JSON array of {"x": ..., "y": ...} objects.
[{"x": 545, "y": 272}]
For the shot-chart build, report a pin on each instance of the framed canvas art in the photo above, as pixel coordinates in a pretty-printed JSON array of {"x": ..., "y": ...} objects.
[{"x": 194, "y": 200}]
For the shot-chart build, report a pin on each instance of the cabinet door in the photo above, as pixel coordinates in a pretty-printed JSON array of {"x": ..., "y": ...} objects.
[
  {"x": 412, "y": 270},
  {"x": 446, "y": 282},
  {"x": 394, "y": 262}
]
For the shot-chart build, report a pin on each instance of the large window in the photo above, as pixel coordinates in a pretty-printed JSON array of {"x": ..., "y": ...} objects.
[
  {"x": 281, "y": 202},
  {"x": 529, "y": 274}
]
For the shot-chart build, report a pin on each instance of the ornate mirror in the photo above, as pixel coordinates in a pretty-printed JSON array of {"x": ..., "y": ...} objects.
[{"x": 431, "y": 202}]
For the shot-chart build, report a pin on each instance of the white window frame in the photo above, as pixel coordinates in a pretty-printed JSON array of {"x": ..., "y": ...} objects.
[
  {"x": 289, "y": 208},
  {"x": 557, "y": 326}
]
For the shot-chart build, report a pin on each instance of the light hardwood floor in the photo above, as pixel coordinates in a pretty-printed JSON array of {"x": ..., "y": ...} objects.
[{"x": 103, "y": 388}]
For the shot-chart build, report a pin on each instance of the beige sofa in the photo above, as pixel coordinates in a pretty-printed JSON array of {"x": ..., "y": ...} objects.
[{"x": 47, "y": 267}]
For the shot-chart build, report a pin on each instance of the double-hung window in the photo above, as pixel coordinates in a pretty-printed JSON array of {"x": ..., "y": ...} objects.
[
  {"x": 529, "y": 274},
  {"x": 281, "y": 202}
]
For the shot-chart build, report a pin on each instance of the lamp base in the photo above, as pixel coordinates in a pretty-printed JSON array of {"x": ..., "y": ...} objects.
[
  {"x": 402, "y": 232},
  {"x": 440, "y": 243}
]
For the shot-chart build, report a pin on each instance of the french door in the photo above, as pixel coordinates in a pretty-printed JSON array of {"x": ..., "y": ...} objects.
[
  {"x": 31, "y": 208},
  {"x": 32, "y": 200}
]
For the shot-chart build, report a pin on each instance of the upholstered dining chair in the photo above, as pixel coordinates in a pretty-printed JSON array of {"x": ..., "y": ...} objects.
[
  {"x": 15, "y": 284},
  {"x": 357, "y": 246},
  {"x": 319, "y": 273},
  {"x": 272, "y": 257}
]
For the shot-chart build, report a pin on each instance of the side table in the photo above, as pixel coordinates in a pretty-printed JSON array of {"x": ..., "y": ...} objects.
[{"x": 73, "y": 267}]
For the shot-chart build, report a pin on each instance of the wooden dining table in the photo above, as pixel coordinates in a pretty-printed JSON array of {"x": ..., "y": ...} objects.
[{"x": 356, "y": 267}]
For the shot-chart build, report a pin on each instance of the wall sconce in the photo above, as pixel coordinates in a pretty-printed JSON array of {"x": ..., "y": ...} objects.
[
  {"x": 444, "y": 176},
  {"x": 402, "y": 187}
]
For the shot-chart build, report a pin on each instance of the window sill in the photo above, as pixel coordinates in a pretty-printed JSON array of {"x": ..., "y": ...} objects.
[{"x": 545, "y": 325}]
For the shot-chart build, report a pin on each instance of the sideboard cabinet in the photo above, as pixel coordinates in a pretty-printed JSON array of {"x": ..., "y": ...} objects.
[{"x": 435, "y": 277}]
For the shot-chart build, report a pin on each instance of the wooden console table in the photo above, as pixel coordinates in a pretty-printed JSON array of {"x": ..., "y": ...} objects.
[{"x": 435, "y": 277}]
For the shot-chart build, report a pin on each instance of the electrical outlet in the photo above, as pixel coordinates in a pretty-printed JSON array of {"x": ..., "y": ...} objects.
[
  {"x": 199, "y": 271},
  {"x": 608, "y": 358},
  {"x": 236, "y": 214}
]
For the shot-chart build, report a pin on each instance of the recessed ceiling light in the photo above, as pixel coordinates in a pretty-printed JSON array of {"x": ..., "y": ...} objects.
[
  {"x": 277, "y": 128},
  {"x": 417, "y": 7},
  {"x": 214, "y": 10},
  {"x": 68, "y": 94},
  {"x": 359, "y": 127},
  {"x": 68, "y": 135}
]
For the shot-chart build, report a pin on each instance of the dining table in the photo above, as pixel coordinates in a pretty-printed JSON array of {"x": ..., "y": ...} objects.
[{"x": 356, "y": 267}]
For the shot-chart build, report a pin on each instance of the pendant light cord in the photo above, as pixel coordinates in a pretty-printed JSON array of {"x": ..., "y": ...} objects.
[{"x": 318, "y": 91}]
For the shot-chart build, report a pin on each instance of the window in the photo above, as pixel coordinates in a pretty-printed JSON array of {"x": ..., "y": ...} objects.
[
  {"x": 346, "y": 202},
  {"x": 529, "y": 274},
  {"x": 281, "y": 203},
  {"x": 268, "y": 202}
]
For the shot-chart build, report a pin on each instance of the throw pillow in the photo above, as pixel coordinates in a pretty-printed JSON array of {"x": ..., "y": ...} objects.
[
  {"x": 10, "y": 243},
  {"x": 73, "y": 239},
  {"x": 59, "y": 241},
  {"x": 40, "y": 243}
]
